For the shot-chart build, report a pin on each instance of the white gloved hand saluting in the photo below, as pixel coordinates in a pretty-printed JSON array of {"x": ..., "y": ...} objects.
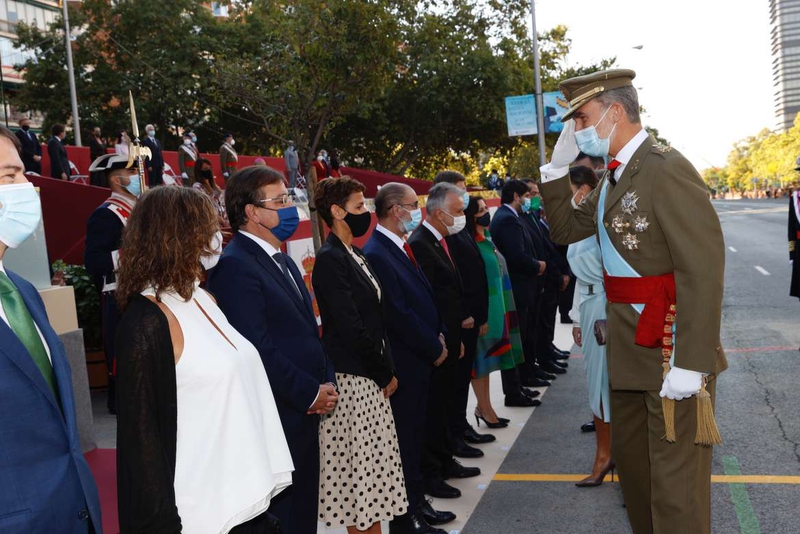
[
  {"x": 681, "y": 384},
  {"x": 184, "y": 176},
  {"x": 566, "y": 149}
]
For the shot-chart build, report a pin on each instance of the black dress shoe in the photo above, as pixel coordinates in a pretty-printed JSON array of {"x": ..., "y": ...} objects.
[
  {"x": 532, "y": 393},
  {"x": 462, "y": 450},
  {"x": 435, "y": 517},
  {"x": 471, "y": 436},
  {"x": 541, "y": 374},
  {"x": 588, "y": 427},
  {"x": 560, "y": 363},
  {"x": 521, "y": 401},
  {"x": 412, "y": 524},
  {"x": 456, "y": 470},
  {"x": 536, "y": 383},
  {"x": 441, "y": 490},
  {"x": 550, "y": 367},
  {"x": 559, "y": 352}
]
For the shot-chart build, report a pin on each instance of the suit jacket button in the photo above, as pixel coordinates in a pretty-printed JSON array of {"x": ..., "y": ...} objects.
[{"x": 83, "y": 515}]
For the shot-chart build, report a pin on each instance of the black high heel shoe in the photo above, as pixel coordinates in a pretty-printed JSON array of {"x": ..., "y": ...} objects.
[{"x": 479, "y": 418}]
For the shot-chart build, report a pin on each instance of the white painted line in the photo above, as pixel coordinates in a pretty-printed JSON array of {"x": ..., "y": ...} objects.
[
  {"x": 732, "y": 249},
  {"x": 762, "y": 270},
  {"x": 481, "y": 487}
]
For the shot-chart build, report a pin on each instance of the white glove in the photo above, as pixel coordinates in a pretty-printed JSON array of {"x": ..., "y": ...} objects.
[
  {"x": 225, "y": 174},
  {"x": 681, "y": 384},
  {"x": 566, "y": 149},
  {"x": 184, "y": 176}
]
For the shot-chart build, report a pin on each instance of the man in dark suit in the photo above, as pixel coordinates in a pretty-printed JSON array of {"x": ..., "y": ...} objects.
[
  {"x": 45, "y": 484},
  {"x": 445, "y": 208},
  {"x": 97, "y": 149},
  {"x": 260, "y": 290},
  {"x": 31, "y": 147},
  {"x": 410, "y": 308},
  {"x": 59, "y": 163},
  {"x": 554, "y": 281},
  {"x": 514, "y": 242},
  {"x": 472, "y": 269},
  {"x": 155, "y": 163}
]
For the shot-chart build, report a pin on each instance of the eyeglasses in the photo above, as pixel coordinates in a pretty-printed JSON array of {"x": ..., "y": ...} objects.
[
  {"x": 415, "y": 205},
  {"x": 285, "y": 199}
]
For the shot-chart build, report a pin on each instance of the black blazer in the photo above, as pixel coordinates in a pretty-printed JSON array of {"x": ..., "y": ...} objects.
[
  {"x": 512, "y": 238},
  {"x": 59, "y": 163},
  {"x": 156, "y": 162},
  {"x": 468, "y": 259},
  {"x": 446, "y": 282},
  {"x": 30, "y": 147},
  {"x": 353, "y": 332}
]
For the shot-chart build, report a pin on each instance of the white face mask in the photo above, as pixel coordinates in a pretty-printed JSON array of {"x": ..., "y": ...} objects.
[
  {"x": 320, "y": 158},
  {"x": 459, "y": 223},
  {"x": 233, "y": 142},
  {"x": 209, "y": 261},
  {"x": 187, "y": 142}
]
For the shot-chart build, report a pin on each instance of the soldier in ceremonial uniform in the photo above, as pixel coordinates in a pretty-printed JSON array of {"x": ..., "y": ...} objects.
[
  {"x": 228, "y": 158},
  {"x": 663, "y": 257},
  {"x": 187, "y": 158},
  {"x": 103, "y": 238}
]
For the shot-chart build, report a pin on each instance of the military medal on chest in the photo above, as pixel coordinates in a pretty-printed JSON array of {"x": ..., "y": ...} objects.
[
  {"x": 629, "y": 201},
  {"x": 631, "y": 241}
]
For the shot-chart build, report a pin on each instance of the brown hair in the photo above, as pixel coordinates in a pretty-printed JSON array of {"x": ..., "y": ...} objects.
[
  {"x": 582, "y": 175},
  {"x": 335, "y": 192},
  {"x": 8, "y": 134},
  {"x": 197, "y": 176},
  {"x": 244, "y": 187},
  {"x": 156, "y": 250}
]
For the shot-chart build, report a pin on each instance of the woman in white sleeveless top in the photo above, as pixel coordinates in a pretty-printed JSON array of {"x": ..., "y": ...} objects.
[{"x": 200, "y": 444}]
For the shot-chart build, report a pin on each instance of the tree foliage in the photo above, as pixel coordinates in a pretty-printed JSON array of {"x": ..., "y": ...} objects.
[{"x": 760, "y": 161}]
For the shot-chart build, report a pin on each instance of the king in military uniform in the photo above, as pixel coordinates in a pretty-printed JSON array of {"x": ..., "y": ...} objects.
[
  {"x": 663, "y": 257},
  {"x": 103, "y": 238}
]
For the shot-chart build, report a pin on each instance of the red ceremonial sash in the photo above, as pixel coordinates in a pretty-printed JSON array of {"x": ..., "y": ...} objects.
[{"x": 657, "y": 293}]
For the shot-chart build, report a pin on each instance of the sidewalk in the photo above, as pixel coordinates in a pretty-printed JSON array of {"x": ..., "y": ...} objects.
[{"x": 487, "y": 517}]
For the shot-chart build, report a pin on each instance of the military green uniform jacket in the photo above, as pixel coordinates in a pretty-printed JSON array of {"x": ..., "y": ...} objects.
[
  {"x": 228, "y": 159},
  {"x": 187, "y": 154},
  {"x": 681, "y": 234}
]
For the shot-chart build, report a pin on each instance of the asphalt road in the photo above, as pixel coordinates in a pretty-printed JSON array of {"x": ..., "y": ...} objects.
[{"x": 758, "y": 410}]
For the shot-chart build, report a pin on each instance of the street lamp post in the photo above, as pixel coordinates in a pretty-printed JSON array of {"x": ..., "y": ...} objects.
[
  {"x": 537, "y": 76},
  {"x": 76, "y": 121}
]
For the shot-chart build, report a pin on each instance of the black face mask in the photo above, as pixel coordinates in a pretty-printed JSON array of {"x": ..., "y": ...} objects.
[
  {"x": 484, "y": 220},
  {"x": 359, "y": 224},
  {"x": 207, "y": 175},
  {"x": 26, "y": 128}
]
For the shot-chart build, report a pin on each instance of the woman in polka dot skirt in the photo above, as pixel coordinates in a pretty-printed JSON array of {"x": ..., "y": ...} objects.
[{"x": 361, "y": 477}]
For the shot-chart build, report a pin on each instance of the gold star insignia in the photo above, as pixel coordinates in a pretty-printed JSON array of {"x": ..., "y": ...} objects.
[{"x": 661, "y": 147}]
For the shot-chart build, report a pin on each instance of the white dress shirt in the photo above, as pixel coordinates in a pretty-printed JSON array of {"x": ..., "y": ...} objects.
[
  {"x": 5, "y": 319},
  {"x": 397, "y": 240},
  {"x": 433, "y": 230},
  {"x": 515, "y": 212},
  {"x": 624, "y": 156}
]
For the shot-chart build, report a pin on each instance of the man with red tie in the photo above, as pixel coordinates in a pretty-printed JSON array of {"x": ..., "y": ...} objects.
[
  {"x": 445, "y": 217},
  {"x": 410, "y": 307}
]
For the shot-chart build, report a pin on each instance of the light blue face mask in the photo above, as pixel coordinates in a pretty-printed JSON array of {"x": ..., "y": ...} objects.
[
  {"x": 465, "y": 197},
  {"x": 135, "y": 187},
  {"x": 416, "y": 218},
  {"x": 20, "y": 213},
  {"x": 526, "y": 204},
  {"x": 589, "y": 141}
]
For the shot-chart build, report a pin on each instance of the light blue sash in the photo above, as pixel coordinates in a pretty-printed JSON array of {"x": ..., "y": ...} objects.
[{"x": 613, "y": 262}]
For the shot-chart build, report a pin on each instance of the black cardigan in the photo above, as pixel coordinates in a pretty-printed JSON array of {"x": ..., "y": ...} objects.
[
  {"x": 147, "y": 421},
  {"x": 352, "y": 315}
]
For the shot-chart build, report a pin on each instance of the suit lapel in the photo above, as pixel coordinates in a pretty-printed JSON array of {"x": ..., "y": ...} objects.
[
  {"x": 18, "y": 353},
  {"x": 631, "y": 169}
]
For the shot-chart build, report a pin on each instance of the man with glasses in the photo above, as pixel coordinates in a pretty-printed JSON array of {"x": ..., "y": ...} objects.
[
  {"x": 262, "y": 293},
  {"x": 414, "y": 327}
]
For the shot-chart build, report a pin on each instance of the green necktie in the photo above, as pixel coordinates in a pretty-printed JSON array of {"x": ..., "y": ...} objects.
[{"x": 21, "y": 322}]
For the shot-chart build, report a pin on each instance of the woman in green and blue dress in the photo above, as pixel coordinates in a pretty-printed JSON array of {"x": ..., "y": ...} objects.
[{"x": 501, "y": 347}]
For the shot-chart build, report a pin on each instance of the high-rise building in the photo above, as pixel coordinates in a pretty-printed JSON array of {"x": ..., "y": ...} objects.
[
  {"x": 37, "y": 12},
  {"x": 785, "y": 37}
]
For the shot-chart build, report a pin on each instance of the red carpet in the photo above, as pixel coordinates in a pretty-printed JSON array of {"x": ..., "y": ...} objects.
[{"x": 103, "y": 463}]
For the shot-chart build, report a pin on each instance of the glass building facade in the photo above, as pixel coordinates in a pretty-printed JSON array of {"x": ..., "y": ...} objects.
[{"x": 785, "y": 41}]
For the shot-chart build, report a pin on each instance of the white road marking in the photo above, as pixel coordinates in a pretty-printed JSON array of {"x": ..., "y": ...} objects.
[
  {"x": 481, "y": 487},
  {"x": 762, "y": 270},
  {"x": 732, "y": 249}
]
